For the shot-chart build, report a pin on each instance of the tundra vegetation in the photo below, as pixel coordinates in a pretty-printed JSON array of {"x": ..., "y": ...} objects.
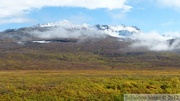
[{"x": 85, "y": 85}]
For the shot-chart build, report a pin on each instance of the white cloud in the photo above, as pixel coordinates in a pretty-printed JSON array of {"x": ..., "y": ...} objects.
[
  {"x": 18, "y": 8},
  {"x": 156, "y": 42},
  {"x": 80, "y": 31},
  {"x": 126, "y": 9},
  {"x": 168, "y": 23},
  {"x": 169, "y": 3},
  {"x": 14, "y": 20},
  {"x": 118, "y": 15},
  {"x": 172, "y": 34}
]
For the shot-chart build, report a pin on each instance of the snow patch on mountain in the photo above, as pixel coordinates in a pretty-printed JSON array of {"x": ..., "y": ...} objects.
[
  {"x": 41, "y": 41},
  {"x": 120, "y": 31}
]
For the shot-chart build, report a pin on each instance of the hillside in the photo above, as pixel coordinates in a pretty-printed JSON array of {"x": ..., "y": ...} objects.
[{"x": 105, "y": 53}]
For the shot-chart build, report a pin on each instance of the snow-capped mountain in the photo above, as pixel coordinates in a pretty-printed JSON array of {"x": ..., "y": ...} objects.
[
  {"x": 65, "y": 29},
  {"x": 119, "y": 31}
]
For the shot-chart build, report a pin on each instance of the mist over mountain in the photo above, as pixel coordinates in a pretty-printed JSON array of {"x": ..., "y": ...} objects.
[{"x": 64, "y": 30}]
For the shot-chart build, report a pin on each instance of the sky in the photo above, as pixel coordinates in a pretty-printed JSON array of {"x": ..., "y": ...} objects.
[{"x": 162, "y": 16}]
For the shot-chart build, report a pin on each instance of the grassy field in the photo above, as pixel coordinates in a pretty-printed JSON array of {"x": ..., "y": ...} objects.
[{"x": 85, "y": 85}]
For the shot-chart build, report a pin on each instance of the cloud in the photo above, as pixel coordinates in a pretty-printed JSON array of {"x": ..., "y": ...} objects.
[
  {"x": 172, "y": 34},
  {"x": 14, "y": 20},
  {"x": 169, "y": 3},
  {"x": 67, "y": 29},
  {"x": 169, "y": 23},
  {"x": 80, "y": 18},
  {"x": 118, "y": 15},
  {"x": 126, "y": 9},
  {"x": 157, "y": 42},
  {"x": 64, "y": 33},
  {"x": 18, "y": 8}
]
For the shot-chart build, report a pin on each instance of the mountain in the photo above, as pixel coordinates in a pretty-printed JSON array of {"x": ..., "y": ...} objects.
[
  {"x": 119, "y": 31},
  {"x": 64, "y": 45},
  {"x": 65, "y": 31}
]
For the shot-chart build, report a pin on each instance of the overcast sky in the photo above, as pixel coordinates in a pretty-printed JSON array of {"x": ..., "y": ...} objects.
[{"x": 161, "y": 16}]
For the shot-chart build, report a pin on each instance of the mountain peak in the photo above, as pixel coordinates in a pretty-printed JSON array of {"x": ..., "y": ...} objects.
[{"x": 119, "y": 31}]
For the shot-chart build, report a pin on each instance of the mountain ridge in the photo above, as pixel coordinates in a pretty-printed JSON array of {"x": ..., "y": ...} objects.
[{"x": 65, "y": 29}]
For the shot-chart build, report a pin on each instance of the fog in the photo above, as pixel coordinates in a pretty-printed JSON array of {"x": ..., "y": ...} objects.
[
  {"x": 157, "y": 42},
  {"x": 153, "y": 41},
  {"x": 78, "y": 32}
]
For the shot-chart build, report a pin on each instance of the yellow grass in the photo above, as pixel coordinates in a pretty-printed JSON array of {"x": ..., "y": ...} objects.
[{"x": 85, "y": 85}]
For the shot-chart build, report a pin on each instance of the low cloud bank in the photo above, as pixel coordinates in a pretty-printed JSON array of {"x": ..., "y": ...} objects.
[
  {"x": 152, "y": 41},
  {"x": 72, "y": 32},
  {"x": 156, "y": 42}
]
